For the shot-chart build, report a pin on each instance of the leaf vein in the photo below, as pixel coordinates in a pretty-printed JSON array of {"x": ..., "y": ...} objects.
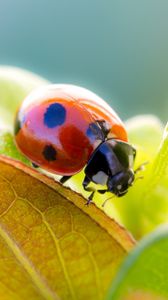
[
  {"x": 56, "y": 243},
  {"x": 44, "y": 290}
]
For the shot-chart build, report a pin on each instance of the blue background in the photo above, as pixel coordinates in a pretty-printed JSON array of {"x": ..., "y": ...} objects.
[{"x": 119, "y": 49}]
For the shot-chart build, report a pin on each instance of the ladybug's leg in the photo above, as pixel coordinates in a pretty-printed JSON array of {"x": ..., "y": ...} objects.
[
  {"x": 104, "y": 127},
  {"x": 85, "y": 183},
  {"x": 102, "y": 191},
  {"x": 99, "y": 129},
  {"x": 107, "y": 200},
  {"x": 134, "y": 152},
  {"x": 90, "y": 198},
  {"x": 34, "y": 165},
  {"x": 64, "y": 179}
]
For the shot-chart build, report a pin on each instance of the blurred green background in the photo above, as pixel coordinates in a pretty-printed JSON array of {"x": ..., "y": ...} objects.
[{"x": 119, "y": 49}]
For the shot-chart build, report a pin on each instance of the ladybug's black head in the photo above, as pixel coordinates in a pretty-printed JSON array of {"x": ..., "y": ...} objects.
[
  {"x": 119, "y": 183},
  {"x": 112, "y": 165}
]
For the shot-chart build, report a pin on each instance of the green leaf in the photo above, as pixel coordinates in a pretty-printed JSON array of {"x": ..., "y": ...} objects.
[
  {"x": 8, "y": 147},
  {"x": 143, "y": 275},
  {"x": 145, "y": 132},
  {"x": 154, "y": 195},
  {"x": 53, "y": 245}
]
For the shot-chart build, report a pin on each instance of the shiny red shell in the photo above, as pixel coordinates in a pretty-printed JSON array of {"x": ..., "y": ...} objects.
[{"x": 52, "y": 127}]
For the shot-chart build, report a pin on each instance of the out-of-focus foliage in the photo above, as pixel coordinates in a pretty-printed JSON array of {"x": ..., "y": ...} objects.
[
  {"x": 143, "y": 276},
  {"x": 15, "y": 84}
]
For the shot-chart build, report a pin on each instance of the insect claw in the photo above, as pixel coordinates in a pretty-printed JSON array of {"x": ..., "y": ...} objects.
[{"x": 88, "y": 202}]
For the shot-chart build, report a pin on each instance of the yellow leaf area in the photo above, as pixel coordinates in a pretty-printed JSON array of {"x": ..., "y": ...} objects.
[
  {"x": 52, "y": 246},
  {"x": 143, "y": 295}
]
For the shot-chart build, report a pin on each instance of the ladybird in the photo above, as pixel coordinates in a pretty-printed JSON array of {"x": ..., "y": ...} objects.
[{"x": 64, "y": 128}]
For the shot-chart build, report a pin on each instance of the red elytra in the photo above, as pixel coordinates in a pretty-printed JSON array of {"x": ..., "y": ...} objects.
[{"x": 54, "y": 127}]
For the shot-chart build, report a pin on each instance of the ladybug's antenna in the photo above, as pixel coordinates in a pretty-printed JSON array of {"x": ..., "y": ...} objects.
[
  {"x": 137, "y": 178},
  {"x": 141, "y": 167}
]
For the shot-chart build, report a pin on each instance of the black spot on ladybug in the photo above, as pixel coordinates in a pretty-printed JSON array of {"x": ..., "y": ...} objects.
[
  {"x": 17, "y": 126},
  {"x": 49, "y": 153},
  {"x": 55, "y": 115}
]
